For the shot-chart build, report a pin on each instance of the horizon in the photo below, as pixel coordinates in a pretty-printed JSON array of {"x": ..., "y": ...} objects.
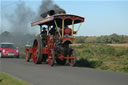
[{"x": 76, "y": 35}]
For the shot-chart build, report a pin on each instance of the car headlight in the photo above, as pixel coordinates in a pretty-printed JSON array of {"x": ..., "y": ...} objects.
[{"x": 3, "y": 51}]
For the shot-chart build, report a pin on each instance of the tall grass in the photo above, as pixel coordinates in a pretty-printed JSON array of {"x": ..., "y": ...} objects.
[{"x": 102, "y": 56}]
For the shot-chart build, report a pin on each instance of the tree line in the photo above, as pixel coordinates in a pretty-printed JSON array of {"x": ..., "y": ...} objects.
[
  {"x": 113, "y": 38},
  {"x": 28, "y": 38}
]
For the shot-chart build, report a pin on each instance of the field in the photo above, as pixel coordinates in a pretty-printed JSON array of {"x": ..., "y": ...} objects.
[
  {"x": 119, "y": 45},
  {"x": 6, "y": 79},
  {"x": 102, "y": 56}
]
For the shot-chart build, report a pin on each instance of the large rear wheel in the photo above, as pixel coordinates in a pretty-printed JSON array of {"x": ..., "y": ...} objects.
[{"x": 36, "y": 51}]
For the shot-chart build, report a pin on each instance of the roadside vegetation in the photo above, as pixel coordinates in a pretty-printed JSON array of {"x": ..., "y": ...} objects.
[
  {"x": 102, "y": 56},
  {"x": 6, "y": 79},
  {"x": 108, "y": 52}
]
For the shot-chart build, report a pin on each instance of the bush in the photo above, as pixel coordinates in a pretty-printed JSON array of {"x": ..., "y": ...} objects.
[
  {"x": 125, "y": 68},
  {"x": 121, "y": 51}
]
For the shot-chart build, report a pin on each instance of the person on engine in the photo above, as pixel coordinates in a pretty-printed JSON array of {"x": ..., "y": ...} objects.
[
  {"x": 43, "y": 33},
  {"x": 43, "y": 36},
  {"x": 67, "y": 31}
]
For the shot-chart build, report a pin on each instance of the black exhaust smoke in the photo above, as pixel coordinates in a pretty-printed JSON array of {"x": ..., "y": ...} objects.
[{"x": 48, "y": 8}]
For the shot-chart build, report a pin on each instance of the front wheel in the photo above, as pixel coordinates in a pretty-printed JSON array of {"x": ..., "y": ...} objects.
[
  {"x": 73, "y": 60},
  {"x": 51, "y": 58},
  {"x": 36, "y": 51},
  {"x": 28, "y": 56}
]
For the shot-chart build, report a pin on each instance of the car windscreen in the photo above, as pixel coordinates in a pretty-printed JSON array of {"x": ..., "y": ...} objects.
[{"x": 8, "y": 46}]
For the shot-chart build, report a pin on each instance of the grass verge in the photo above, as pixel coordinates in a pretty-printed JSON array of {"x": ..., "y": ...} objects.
[{"x": 6, "y": 79}]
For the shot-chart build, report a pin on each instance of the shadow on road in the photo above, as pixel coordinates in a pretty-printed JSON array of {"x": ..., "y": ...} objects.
[{"x": 86, "y": 63}]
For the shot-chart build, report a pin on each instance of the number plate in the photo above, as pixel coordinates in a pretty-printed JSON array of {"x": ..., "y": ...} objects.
[{"x": 10, "y": 54}]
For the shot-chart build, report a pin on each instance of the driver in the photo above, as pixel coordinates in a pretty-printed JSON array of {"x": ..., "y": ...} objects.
[
  {"x": 52, "y": 31},
  {"x": 67, "y": 31},
  {"x": 43, "y": 35}
]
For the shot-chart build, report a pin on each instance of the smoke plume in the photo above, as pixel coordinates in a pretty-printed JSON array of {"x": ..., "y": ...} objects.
[
  {"x": 21, "y": 19},
  {"x": 23, "y": 16},
  {"x": 48, "y": 5}
]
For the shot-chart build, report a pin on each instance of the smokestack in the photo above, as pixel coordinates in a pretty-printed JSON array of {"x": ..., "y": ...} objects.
[
  {"x": 48, "y": 8},
  {"x": 49, "y": 13}
]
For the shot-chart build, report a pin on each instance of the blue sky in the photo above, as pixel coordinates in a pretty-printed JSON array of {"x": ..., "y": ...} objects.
[{"x": 101, "y": 17}]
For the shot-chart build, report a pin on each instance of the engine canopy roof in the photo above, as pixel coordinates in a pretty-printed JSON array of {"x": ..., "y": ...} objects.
[{"x": 68, "y": 18}]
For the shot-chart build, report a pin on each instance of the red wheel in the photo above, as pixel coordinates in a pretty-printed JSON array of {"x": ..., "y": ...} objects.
[
  {"x": 35, "y": 53},
  {"x": 28, "y": 56},
  {"x": 73, "y": 60},
  {"x": 51, "y": 58}
]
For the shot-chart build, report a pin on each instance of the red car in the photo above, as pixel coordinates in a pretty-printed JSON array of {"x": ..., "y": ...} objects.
[{"x": 8, "y": 50}]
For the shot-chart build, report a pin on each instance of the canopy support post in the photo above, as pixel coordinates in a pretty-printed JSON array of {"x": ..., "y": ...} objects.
[
  {"x": 57, "y": 27},
  {"x": 63, "y": 28},
  {"x": 79, "y": 27},
  {"x": 40, "y": 28},
  {"x": 72, "y": 28}
]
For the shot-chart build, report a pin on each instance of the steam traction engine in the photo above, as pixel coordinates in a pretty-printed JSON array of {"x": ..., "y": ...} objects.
[{"x": 55, "y": 47}]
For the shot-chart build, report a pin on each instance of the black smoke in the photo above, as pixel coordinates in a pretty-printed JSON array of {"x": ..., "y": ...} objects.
[{"x": 48, "y": 5}]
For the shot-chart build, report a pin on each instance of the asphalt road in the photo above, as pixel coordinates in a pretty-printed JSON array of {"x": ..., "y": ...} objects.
[{"x": 43, "y": 74}]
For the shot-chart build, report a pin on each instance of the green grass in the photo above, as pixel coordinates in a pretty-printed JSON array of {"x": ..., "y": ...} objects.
[
  {"x": 6, "y": 79},
  {"x": 102, "y": 56}
]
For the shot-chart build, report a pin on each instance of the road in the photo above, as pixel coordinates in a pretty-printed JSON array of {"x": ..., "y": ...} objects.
[{"x": 43, "y": 74}]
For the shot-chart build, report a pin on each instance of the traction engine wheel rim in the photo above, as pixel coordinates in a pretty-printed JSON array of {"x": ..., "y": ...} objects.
[
  {"x": 35, "y": 53},
  {"x": 26, "y": 56},
  {"x": 51, "y": 58},
  {"x": 73, "y": 60}
]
